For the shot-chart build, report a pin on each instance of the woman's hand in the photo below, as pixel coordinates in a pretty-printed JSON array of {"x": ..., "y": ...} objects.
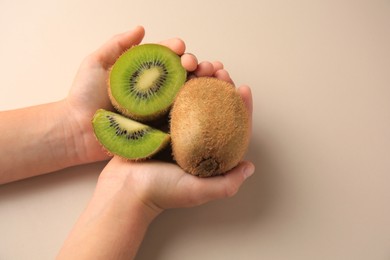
[
  {"x": 160, "y": 185},
  {"x": 129, "y": 195},
  {"x": 89, "y": 90}
]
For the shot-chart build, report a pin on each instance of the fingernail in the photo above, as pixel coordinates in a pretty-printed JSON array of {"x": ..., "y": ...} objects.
[{"x": 248, "y": 170}]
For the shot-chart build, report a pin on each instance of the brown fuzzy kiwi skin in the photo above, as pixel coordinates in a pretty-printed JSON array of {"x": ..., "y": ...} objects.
[{"x": 209, "y": 127}]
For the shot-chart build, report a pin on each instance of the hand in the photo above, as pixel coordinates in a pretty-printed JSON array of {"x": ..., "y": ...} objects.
[
  {"x": 129, "y": 195},
  {"x": 159, "y": 185},
  {"x": 89, "y": 90}
]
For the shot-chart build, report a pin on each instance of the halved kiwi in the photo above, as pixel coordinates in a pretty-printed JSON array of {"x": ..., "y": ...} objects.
[
  {"x": 127, "y": 138},
  {"x": 145, "y": 80}
]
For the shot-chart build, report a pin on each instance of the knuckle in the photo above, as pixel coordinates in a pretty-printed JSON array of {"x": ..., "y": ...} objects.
[{"x": 231, "y": 190}]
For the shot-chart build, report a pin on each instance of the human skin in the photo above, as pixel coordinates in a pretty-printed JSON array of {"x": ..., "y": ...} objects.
[
  {"x": 129, "y": 195},
  {"x": 49, "y": 137}
]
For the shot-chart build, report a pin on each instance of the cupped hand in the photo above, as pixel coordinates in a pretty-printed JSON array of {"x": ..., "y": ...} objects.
[
  {"x": 160, "y": 185},
  {"x": 89, "y": 89}
]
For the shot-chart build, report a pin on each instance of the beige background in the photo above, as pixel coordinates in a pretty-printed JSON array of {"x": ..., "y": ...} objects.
[{"x": 320, "y": 74}]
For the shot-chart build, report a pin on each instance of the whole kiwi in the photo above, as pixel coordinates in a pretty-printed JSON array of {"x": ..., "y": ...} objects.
[{"x": 209, "y": 127}]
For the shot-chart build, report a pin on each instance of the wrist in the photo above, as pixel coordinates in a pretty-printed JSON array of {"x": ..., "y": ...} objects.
[
  {"x": 81, "y": 144},
  {"x": 66, "y": 140},
  {"x": 117, "y": 189},
  {"x": 49, "y": 143},
  {"x": 116, "y": 220}
]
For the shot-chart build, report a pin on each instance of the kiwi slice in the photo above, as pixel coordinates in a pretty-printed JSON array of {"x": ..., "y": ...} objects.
[
  {"x": 145, "y": 80},
  {"x": 127, "y": 138}
]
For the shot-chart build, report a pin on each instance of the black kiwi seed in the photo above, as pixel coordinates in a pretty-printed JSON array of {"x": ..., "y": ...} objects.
[
  {"x": 138, "y": 134},
  {"x": 157, "y": 84}
]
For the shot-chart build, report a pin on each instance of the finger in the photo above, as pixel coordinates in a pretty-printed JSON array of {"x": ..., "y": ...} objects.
[
  {"x": 189, "y": 62},
  {"x": 217, "y": 65},
  {"x": 223, "y": 75},
  {"x": 223, "y": 186},
  {"x": 111, "y": 50},
  {"x": 246, "y": 95},
  {"x": 204, "y": 69},
  {"x": 175, "y": 44}
]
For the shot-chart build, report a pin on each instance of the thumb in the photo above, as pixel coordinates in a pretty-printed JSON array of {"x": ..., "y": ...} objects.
[
  {"x": 223, "y": 186},
  {"x": 112, "y": 49}
]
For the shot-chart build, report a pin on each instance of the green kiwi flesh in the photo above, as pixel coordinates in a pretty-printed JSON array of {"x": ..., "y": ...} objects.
[
  {"x": 145, "y": 80},
  {"x": 209, "y": 127},
  {"x": 127, "y": 138}
]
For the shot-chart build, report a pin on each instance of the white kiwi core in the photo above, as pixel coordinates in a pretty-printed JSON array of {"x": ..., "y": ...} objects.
[{"x": 148, "y": 77}]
